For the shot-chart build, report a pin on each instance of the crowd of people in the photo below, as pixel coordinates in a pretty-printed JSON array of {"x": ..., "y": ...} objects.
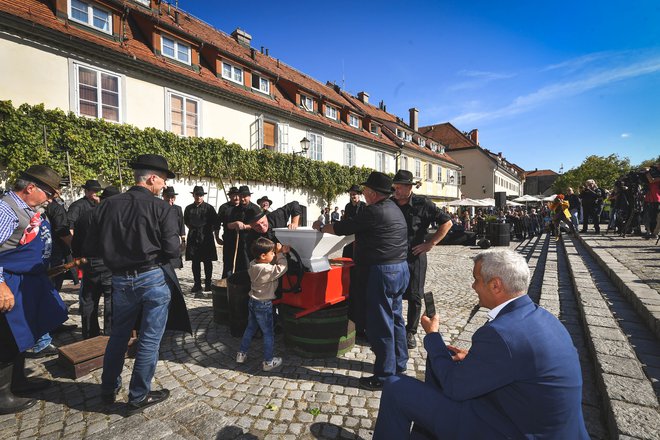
[{"x": 133, "y": 242}]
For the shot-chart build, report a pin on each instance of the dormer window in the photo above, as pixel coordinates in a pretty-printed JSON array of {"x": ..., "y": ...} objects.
[
  {"x": 408, "y": 137},
  {"x": 422, "y": 142},
  {"x": 434, "y": 147},
  {"x": 142, "y": 2},
  {"x": 260, "y": 83},
  {"x": 400, "y": 133},
  {"x": 175, "y": 49},
  {"x": 331, "y": 112},
  {"x": 307, "y": 103},
  {"x": 373, "y": 128},
  {"x": 91, "y": 15},
  {"x": 353, "y": 121},
  {"x": 442, "y": 149},
  {"x": 232, "y": 73}
]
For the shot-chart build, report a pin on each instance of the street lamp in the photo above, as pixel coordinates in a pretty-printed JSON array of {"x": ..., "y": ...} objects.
[
  {"x": 451, "y": 179},
  {"x": 304, "y": 147}
]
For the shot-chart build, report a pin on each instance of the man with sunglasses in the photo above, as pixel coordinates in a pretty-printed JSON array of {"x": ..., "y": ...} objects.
[{"x": 30, "y": 306}]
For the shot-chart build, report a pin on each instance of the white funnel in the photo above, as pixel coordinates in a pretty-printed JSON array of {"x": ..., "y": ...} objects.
[{"x": 312, "y": 246}]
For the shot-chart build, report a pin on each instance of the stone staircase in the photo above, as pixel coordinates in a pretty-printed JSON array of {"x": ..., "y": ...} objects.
[{"x": 613, "y": 319}]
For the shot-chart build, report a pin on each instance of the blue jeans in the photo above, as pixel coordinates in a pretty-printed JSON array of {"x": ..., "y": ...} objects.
[
  {"x": 386, "y": 329},
  {"x": 260, "y": 316},
  {"x": 42, "y": 343},
  {"x": 147, "y": 293}
]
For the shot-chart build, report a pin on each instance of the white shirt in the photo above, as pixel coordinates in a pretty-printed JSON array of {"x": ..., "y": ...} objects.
[{"x": 496, "y": 311}]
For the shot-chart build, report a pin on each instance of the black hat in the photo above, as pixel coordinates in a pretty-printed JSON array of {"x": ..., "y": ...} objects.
[
  {"x": 92, "y": 185},
  {"x": 198, "y": 191},
  {"x": 380, "y": 182},
  {"x": 109, "y": 191},
  {"x": 169, "y": 192},
  {"x": 264, "y": 199},
  {"x": 152, "y": 162},
  {"x": 42, "y": 174},
  {"x": 252, "y": 214},
  {"x": 404, "y": 177},
  {"x": 232, "y": 190},
  {"x": 355, "y": 188},
  {"x": 244, "y": 190}
]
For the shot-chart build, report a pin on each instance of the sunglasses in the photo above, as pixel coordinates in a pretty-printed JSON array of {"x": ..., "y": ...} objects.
[{"x": 48, "y": 192}]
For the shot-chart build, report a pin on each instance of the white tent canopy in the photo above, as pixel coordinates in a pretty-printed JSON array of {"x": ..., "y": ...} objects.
[
  {"x": 526, "y": 198},
  {"x": 465, "y": 202},
  {"x": 550, "y": 198}
]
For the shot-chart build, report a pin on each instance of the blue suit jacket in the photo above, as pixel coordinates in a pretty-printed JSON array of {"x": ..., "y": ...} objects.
[{"x": 521, "y": 378}]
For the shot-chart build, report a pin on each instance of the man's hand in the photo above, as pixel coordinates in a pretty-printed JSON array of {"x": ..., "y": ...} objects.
[
  {"x": 283, "y": 249},
  {"x": 431, "y": 325},
  {"x": 295, "y": 220},
  {"x": 459, "y": 353},
  {"x": 237, "y": 226},
  {"x": 422, "y": 248},
  {"x": 6, "y": 298}
]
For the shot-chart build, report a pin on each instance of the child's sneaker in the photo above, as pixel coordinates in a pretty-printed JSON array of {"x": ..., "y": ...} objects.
[
  {"x": 276, "y": 362},
  {"x": 240, "y": 357}
]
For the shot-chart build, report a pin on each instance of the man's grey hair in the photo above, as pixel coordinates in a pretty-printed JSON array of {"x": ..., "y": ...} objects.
[
  {"x": 143, "y": 175},
  {"x": 21, "y": 184},
  {"x": 508, "y": 266}
]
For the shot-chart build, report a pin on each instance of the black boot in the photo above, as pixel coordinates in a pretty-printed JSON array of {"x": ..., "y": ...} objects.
[
  {"x": 9, "y": 403},
  {"x": 208, "y": 285},
  {"x": 20, "y": 384}
]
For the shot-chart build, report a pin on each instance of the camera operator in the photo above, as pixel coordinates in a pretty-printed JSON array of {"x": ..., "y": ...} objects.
[
  {"x": 652, "y": 200},
  {"x": 592, "y": 204}
]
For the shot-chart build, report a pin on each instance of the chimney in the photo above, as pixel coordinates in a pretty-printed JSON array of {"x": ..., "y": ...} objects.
[
  {"x": 363, "y": 97},
  {"x": 266, "y": 51},
  {"x": 242, "y": 37},
  {"x": 474, "y": 136},
  {"x": 414, "y": 118}
]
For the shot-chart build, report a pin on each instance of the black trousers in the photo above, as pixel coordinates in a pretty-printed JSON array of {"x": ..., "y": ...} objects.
[
  {"x": 95, "y": 283},
  {"x": 8, "y": 347},
  {"x": 415, "y": 291},
  {"x": 592, "y": 211},
  {"x": 197, "y": 271}
]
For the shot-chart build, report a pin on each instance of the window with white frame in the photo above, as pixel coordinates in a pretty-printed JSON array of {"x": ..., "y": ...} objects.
[
  {"x": 381, "y": 162},
  {"x": 91, "y": 15},
  {"x": 144, "y": 2},
  {"x": 175, "y": 49},
  {"x": 418, "y": 168},
  {"x": 404, "y": 163},
  {"x": 331, "y": 112},
  {"x": 307, "y": 103},
  {"x": 408, "y": 137},
  {"x": 450, "y": 174},
  {"x": 442, "y": 149},
  {"x": 353, "y": 121},
  {"x": 283, "y": 137},
  {"x": 183, "y": 114},
  {"x": 315, "y": 146},
  {"x": 439, "y": 173},
  {"x": 258, "y": 82},
  {"x": 98, "y": 93},
  {"x": 400, "y": 133},
  {"x": 422, "y": 142},
  {"x": 349, "y": 154},
  {"x": 429, "y": 171},
  {"x": 373, "y": 128},
  {"x": 232, "y": 73}
]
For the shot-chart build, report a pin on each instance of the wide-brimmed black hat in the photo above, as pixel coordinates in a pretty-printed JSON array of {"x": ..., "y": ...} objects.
[
  {"x": 380, "y": 182},
  {"x": 252, "y": 214},
  {"x": 152, "y": 162},
  {"x": 244, "y": 190},
  {"x": 43, "y": 175},
  {"x": 198, "y": 191},
  {"x": 109, "y": 191},
  {"x": 265, "y": 199},
  {"x": 232, "y": 190},
  {"x": 92, "y": 185},
  {"x": 169, "y": 192},
  {"x": 404, "y": 177},
  {"x": 355, "y": 188}
]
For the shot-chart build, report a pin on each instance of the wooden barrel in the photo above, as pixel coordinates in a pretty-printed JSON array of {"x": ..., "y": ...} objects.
[
  {"x": 321, "y": 334},
  {"x": 499, "y": 234},
  {"x": 220, "y": 302},
  {"x": 238, "y": 288}
]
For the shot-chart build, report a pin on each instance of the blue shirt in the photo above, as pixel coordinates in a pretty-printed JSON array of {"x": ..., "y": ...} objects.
[{"x": 9, "y": 221}]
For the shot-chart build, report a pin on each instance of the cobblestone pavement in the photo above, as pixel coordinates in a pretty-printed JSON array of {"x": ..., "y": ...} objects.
[{"x": 213, "y": 397}]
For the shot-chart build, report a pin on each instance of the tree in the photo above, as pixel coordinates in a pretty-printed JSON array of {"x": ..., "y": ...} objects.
[
  {"x": 647, "y": 163},
  {"x": 604, "y": 170}
]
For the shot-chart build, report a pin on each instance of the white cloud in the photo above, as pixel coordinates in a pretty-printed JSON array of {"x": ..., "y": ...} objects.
[
  {"x": 625, "y": 135},
  {"x": 591, "y": 80},
  {"x": 477, "y": 79}
]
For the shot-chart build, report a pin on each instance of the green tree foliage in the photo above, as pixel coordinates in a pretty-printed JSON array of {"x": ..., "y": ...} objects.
[
  {"x": 33, "y": 135},
  {"x": 604, "y": 170},
  {"x": 647, "y": 163}
]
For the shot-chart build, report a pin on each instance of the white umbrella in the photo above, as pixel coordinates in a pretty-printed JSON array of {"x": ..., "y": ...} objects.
[
  {"x": 512, "y": 203},
  {"x": 526, "y": 198},
  {"x": 465, "y": 202},
  {"x": 550, "y": 198},
  {"x": 486, "y": 202}
]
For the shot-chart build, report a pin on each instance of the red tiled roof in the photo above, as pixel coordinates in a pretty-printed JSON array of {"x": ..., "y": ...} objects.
[
  {"x": 448, "y": 135},
  {"x": 539, "y": 173}
]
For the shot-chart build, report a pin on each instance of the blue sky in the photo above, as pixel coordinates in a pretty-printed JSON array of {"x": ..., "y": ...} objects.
[{"x": 546, "y": 83}]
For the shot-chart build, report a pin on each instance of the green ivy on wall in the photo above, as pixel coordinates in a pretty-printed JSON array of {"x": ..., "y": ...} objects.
[{"x": 33, "y": 135}]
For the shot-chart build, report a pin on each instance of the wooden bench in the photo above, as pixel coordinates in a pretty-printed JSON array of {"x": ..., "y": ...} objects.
[{"x": 83, "y": 357}]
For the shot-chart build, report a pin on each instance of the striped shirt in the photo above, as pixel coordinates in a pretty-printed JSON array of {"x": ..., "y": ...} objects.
[{"x": 9, "y": 221}]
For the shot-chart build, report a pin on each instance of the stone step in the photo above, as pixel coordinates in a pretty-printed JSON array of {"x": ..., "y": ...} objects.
[{"x": 621, "y": 346}]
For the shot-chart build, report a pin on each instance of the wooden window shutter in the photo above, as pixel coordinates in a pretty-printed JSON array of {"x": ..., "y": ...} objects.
[{"x": 269, "y": 134}]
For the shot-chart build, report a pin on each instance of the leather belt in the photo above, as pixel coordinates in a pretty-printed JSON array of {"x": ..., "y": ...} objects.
[{"x": 133, "y": 272}]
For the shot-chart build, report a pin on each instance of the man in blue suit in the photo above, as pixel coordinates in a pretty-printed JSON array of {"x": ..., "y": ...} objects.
[{"x": 520, "y": 379}]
